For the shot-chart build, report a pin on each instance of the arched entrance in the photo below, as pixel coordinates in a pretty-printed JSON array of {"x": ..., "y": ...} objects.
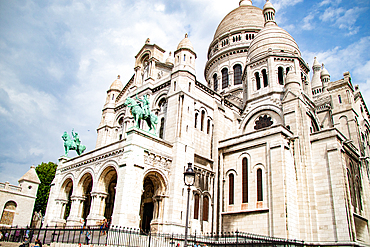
[
  {"x": 147, "y": 205},
  {"x": 108, "y": 180},
  {"x": 66, "y": 193},
  {"x": 151, "y": 200},
  {"x": 86, "y": 183},
  {"x": 7, "y": 216}
]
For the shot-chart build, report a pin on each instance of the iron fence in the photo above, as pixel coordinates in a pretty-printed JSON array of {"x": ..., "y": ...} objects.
[{"x": 123, "y": 236}]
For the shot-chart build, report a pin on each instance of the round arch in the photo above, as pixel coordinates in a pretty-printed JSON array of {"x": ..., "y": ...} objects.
[
  {"x": 274, "y": 111},
  {"x": 84, "y": 188},
  {"x": 154, "y": 191}
]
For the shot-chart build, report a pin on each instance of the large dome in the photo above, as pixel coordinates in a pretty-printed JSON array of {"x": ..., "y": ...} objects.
[
  {"x": 241, "y": 18},
  {"x": 273, "y": 38}
]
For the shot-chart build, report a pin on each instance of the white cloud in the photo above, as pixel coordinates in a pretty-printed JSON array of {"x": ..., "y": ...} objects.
[
  {"x": 281, "y": 4},
  {"x": 160, "y": 7},
  {"x": 342, "y": 18},
  {"x": 331, "y": 2},
  {"x": 307, "y": 22}
]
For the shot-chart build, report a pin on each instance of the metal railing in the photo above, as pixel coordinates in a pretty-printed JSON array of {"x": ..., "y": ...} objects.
[{"x": 122, "y": 236}]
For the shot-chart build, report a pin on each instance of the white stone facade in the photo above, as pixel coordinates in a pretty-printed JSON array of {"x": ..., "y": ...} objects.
[
  {"x": 274, "y": 153},
  {"x": 17, "y": 201}
]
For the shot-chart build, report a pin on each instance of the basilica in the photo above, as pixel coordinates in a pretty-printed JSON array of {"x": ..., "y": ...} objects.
[{"x": 276, "y": 151}]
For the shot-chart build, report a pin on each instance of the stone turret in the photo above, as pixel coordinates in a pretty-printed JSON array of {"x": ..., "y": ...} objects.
[
  {"x": 30, "y": 182},
  {"x": 108, "y": 116},
  {"x": 185, "y": 56},
  {"x": 316, "y": 83}
]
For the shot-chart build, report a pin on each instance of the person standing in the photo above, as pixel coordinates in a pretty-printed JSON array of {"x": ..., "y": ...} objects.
[{"x": 88, "y": 235}]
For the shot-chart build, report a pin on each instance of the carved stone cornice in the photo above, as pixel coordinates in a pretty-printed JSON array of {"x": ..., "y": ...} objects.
[
  {"x": 94, "y": 159},
  {"x": 156, "y": 160}
]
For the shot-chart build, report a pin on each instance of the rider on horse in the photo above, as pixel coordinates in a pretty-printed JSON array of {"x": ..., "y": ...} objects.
[{"x": 145, "y": 106}]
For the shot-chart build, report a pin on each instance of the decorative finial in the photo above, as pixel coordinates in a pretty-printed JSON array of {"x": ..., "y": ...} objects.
[
  {"x": 147, "y": 41},
  {"x": 170, "y": 54},
  {"x": 186, "y": 35},
  {"x": 118, "y": 77}
]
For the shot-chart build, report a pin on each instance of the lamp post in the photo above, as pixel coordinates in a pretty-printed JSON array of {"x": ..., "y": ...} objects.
[{"x": 189, "y": 176}]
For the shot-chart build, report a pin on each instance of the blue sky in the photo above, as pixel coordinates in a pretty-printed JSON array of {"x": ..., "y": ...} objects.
[{"x": 58, "y": 58}]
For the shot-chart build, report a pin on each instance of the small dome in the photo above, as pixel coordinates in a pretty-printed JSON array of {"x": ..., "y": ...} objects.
[
  {"x": 245, "y": 17},
  {"x": 117, "y": 84},
  {"x": 185, "y": 44},
  {"x": 245, "y": 2},
  {"x": 170, "y": 59},
  {"x": 292, "y": 77},
  {"x": 275, "y": 39},
  {"x": 324, "y": 71},
  {"x": 268, "y": 5}
]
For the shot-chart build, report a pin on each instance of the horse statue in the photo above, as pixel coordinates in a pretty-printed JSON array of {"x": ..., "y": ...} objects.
[
  {"x": 74, "y": 144},
  {"x": 139, "y": 113}
]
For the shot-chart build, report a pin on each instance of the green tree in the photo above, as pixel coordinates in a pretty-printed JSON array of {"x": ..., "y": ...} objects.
[{"x": 46, "y": 173}]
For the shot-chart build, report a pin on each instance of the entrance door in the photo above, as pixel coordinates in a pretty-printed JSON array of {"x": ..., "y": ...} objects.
[{"x": 147, "y": 216}]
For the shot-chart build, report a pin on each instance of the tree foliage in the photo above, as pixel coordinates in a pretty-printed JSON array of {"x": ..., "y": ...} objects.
[{"x": 46, "y": 173}]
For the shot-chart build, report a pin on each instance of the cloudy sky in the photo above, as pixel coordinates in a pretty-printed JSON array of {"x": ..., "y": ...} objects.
[{"x": 58, "y": 58}]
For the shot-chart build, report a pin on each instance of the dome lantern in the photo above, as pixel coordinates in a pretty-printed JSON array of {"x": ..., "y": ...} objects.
[{"x": 269, "y": 13}]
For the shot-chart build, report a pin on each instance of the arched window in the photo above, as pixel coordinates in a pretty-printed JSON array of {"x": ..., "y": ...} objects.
[
  {"x": 161, "y": 129},
  {"x": 245, "y": 180},
  {"x": 237, "y": 74},
  {"x": 202, "y": 120},
  {"x": 205, "y": 208},
  {"x": 196, "y": 206},
  {"x": 287, "y": 70},
  {"x": 196, "y": 120},
  {"x": 265, "y": 80},
  {"x": 281, "y": 75},
  {"x": 225, "y": 78},
  {"x": 351, "y": 188},
  {"x": 259, "y": 185},
  {"x": 208, "y": 125},
  {"x": 7, "y": 216},
  {"x": 358, "y": 190},
  {"x": 215, "y": 82},
  {"x": 231, "y": 189},
  {"x": 258, "y": 81}
]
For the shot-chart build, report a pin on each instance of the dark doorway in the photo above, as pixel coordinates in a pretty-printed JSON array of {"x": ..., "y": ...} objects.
[
  {"x": 87, "y": 187},
  {"x": 109, "y": 201},
  {"x": 147, "y": 216}
]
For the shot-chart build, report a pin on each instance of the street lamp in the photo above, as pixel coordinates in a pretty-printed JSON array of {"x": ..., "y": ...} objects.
[{"x": 189, "y": 176}]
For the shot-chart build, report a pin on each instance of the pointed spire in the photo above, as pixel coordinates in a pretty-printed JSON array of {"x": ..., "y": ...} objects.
[
  {"x": 316, "y": 63},
  {"x": 316, "y": 83},
  {"x": 269, "y": 13},
  {"x": 245, "y": 2},
  {"x": 30, "y": 176}
]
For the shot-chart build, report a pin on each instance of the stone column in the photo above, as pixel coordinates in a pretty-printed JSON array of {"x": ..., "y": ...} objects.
[
  {"x": 75, "y": 213},
  {"x": 60, "y": 210},
  {"x": 97, "y": 208}
]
